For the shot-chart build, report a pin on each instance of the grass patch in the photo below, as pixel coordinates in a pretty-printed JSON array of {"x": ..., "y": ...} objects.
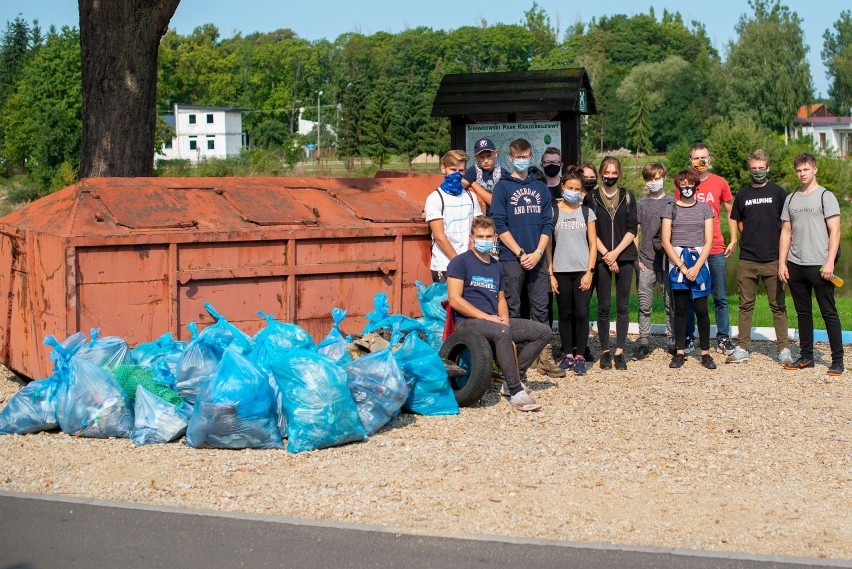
[{"x": 762, "y": 316}]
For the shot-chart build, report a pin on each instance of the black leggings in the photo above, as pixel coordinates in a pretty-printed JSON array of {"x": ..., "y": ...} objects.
[
  {"x": 623, "y": 282},
  {"x": 573, "y": 306},
  {"x": 681, "y": 304}
]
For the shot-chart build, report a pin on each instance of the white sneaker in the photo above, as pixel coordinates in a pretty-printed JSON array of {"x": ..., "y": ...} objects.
[
  {"x": 523, "y": 401},
  {"x": 785, "y": 357},
  {"x": 739, "y": 355},
  {"x": 504, "y": 389}
]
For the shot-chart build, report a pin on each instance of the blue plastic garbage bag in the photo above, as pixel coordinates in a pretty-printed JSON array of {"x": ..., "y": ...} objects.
[
  {"x": 381, "y": 310},
  {"x": 62, "y": 351},
  {"x": 430, "y": 299},
  {"x": 335, "y": 345},
  {"x": 157, "y": 421},
  {"x": 434, "y": 314},
  {"x": 319, "y": 407},
  {"x": 203, "y": 353},
  {"x": 165, "y": 348},
  {"x": 90, "y": 403},
  {"x": 282, "y": 334},
  {"x": 424, "y": 369},
  {"x": 378, "y": 387},
  {"x": 107, "y": 353},
  {"x": 32, "y": 409},
  {"x": 235, "y": 408}
]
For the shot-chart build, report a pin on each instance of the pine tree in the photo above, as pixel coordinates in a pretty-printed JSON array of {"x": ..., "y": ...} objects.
[
  {"x": 409, "y": 116},
  {"x": 376, "y": 142},
  {"x": 639, "y": 122}
]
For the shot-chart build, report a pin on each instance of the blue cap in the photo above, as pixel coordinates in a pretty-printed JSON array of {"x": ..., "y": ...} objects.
[{"x": 482, "y": 145}]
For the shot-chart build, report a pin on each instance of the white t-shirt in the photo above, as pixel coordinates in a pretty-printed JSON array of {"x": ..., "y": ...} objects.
[{"x": 458, "y": 213}]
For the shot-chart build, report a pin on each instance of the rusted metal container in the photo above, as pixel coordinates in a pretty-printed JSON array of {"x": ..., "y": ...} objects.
[{"x": 140, "y": 256}]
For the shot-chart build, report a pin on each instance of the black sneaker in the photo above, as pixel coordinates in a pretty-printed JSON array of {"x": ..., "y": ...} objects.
[
  {"x": 707, "y": 361},
  {"x": 835, "y": 368},
  {"x": 606, "y": 360},
  {"x": 799, "y": 363},
  {"x": 725, "y": 346},
  {"x": 640, "y": 353},
  {"x": 620, "y": 363},
  {"x": 677, "y": 361}
]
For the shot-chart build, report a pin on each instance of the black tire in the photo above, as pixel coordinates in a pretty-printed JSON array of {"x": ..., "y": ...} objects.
[{"x": 471, "y": 351}]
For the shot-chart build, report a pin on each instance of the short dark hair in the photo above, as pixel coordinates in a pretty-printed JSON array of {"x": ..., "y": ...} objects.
[
  {"x": 573, "y": 173},
  {"x": 520, "y": 145},
  {"x": 688, "y": 175},
  {"x": 698, "y": 146},
  {"x": 585, "y": 165},
  {"x": 804, "y": 158}
]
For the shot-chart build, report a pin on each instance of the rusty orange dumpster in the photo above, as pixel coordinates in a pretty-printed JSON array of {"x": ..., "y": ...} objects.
[{"x": 140, "y": 256}]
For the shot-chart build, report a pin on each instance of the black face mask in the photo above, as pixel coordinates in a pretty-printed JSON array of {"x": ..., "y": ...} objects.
[
  {"x": 610, "y": 182},
  {"x": 589, "y": 185},
  {"x": 552, "y": 170},
  {"x": 687, "y": 191}
]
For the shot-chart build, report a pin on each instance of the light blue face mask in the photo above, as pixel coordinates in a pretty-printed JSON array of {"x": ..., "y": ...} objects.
[
  {"x": 483, "y": 245},
  {"x": 571, "y": 196},
  {"x": 521, "y": 164}
]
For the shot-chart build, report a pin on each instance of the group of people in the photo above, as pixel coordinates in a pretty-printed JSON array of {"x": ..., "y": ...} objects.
[{"x": 565, "y": 231}]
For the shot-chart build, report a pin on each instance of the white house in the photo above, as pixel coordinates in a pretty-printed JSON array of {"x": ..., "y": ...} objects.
[
  {"x": 203, "y": 133},
  {"x": 829, "y": 132}
]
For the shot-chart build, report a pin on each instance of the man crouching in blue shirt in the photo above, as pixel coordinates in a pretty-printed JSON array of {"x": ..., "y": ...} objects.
[{"x": 475, "y": 289}]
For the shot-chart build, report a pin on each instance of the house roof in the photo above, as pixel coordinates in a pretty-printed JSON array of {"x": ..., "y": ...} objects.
[
  {"x": 825, "y": 121},
  {"x": 513, "y": 92},
  {"x": 814, "y": 110},
  {"x": 203, "y": 108}
]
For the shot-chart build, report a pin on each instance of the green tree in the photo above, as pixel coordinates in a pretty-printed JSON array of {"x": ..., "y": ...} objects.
[
  {"x": 638, "y": 122},
  {"x": 537, "y": 22},
  {"x": 42, "y": 117},
  {"x": 767, "y": 73},
  {"x": 837, "y": 57},
  {"x": 409, "y": 115},
  {"x": 376, "y": 139}
]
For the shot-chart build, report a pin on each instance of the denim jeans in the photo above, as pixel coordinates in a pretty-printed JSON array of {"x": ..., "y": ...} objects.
[
  {"x": 530, "y": 337},
  {"x": 718, "y": 267}
]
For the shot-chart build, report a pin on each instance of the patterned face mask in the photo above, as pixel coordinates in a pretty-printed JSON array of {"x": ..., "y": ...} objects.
[{"x": 452, "y": 184}]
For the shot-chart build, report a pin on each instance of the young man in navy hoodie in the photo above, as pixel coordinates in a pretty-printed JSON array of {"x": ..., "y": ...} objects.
[{"x": 522, "y": 212}]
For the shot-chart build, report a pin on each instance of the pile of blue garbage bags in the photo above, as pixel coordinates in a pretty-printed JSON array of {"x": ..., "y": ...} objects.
[{"x": 226, "y": 389}]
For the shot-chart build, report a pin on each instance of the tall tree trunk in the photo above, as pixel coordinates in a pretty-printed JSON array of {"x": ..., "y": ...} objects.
[{"x": 119, "y": 41}]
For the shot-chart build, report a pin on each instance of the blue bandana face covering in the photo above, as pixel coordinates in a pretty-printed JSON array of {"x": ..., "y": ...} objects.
[{"x": 452, "y": 184}]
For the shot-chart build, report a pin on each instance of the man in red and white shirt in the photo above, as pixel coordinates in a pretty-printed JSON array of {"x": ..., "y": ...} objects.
[{"x": 715, "y": 192}]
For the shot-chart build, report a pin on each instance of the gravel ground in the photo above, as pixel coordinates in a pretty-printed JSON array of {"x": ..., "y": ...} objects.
[{"x": 746, "y": 458}]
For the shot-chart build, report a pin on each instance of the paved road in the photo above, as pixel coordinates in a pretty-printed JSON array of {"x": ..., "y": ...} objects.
[{"x": 38, "y": 532}]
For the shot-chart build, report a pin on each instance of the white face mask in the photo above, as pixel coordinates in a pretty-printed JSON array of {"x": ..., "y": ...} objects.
[{"x": 655, "y": 186}]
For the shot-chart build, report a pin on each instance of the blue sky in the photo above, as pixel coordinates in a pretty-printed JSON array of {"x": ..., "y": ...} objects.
[{"x": 369, "y": 16}]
